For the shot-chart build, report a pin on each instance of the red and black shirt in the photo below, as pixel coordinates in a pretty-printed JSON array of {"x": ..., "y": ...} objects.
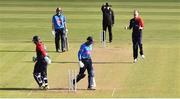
[
  {"x": 40, "y": 51},
  {"x": 136, "y": 23}
]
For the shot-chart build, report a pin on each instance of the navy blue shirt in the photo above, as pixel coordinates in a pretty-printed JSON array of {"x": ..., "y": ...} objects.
[{"x": 135, "y": 24}]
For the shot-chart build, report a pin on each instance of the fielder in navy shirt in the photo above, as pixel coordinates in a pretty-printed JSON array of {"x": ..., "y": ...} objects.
[{"x": 137, "y": 25}]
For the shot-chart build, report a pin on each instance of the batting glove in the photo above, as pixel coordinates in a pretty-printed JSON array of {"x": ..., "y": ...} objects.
[
  {"x": 81, "y": 65},
  {"x": 66, "y": 30},
  {"x": 47, "y": 59}
]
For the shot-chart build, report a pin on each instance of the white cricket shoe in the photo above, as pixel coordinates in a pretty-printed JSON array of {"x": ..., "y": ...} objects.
[
  {"x": 91, "y": 88},
  {"x": 46, "y": 87},
  {"x": 40, "y": 87},
  {"x": 135, "y": 60},
  {"x": 142, "y": 56}
]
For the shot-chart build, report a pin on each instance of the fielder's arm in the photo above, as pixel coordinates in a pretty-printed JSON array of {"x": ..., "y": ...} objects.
[
  {"x": 130, "y": 25},
  {"x": 141, "y": 22},
  {"x": 81, "y": 65}
]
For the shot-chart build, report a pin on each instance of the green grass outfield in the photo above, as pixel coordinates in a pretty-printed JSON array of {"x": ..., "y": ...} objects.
[{"x": 157, "y": 76}]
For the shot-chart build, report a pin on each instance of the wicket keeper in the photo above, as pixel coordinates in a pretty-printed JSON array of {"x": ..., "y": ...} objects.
[
  {"x": 41, "y": 62},
  {"x": 85, "y": 62},
  {"x": 137, "y": 25},
  {"x": 59, "y": 28}
]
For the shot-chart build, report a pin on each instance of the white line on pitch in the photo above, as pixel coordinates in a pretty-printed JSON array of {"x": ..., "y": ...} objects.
[
  {"x": 113, "y": 92},
  {"x": 29, "y": 93}
]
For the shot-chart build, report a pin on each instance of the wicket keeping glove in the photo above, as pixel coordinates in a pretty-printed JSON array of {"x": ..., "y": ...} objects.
[
  {"x": 34, "y": 59},
  {"x": 81, "y": 65},
  {"x": 53, "y": 33},
  {"x": 47, "y": 59}
]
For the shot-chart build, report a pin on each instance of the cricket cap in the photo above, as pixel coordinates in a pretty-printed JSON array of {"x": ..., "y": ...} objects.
[
  {"x": 90, "y": 39},
  {"x": 36, "y": 38}
]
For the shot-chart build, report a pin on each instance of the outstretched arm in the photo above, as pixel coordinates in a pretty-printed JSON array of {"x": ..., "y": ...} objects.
[{"x": 130, "y": 25}]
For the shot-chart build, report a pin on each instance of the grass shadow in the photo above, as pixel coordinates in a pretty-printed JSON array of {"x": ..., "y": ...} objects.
[
  {"x": 14, "y": 51},
  {"x": 19, "y": 51},
  {"x": 29, "y": 89},
  {"x": 71, "y": 62},
  {"x": 37, "y": 89},
  {"x": 120, "y": 62}
]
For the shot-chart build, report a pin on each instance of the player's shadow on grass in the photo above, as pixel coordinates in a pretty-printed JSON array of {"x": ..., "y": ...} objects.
[
  {"x": 66, "y": 62},
  {"x": 29, "y": 89},
  {"x": 23, "y": 51},
  {"x": 36, "y": 89},
  {"x": 120, "y": 62},
  {"x": 14, "y": 51},
  {"x": 13, "y": 89}
]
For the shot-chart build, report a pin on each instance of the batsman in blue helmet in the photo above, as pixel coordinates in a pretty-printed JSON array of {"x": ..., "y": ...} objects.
[{"x": 85, "y": 62}]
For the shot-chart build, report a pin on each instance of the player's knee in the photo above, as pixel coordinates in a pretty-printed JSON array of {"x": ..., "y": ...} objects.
[
  {"x": 36, "y": 75},
  {"x": 135, "y": 46},
  {"x": 81, "y": 76},
  {"x": 44, "y": 74},
  {"x": 91, "y": 74}
]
